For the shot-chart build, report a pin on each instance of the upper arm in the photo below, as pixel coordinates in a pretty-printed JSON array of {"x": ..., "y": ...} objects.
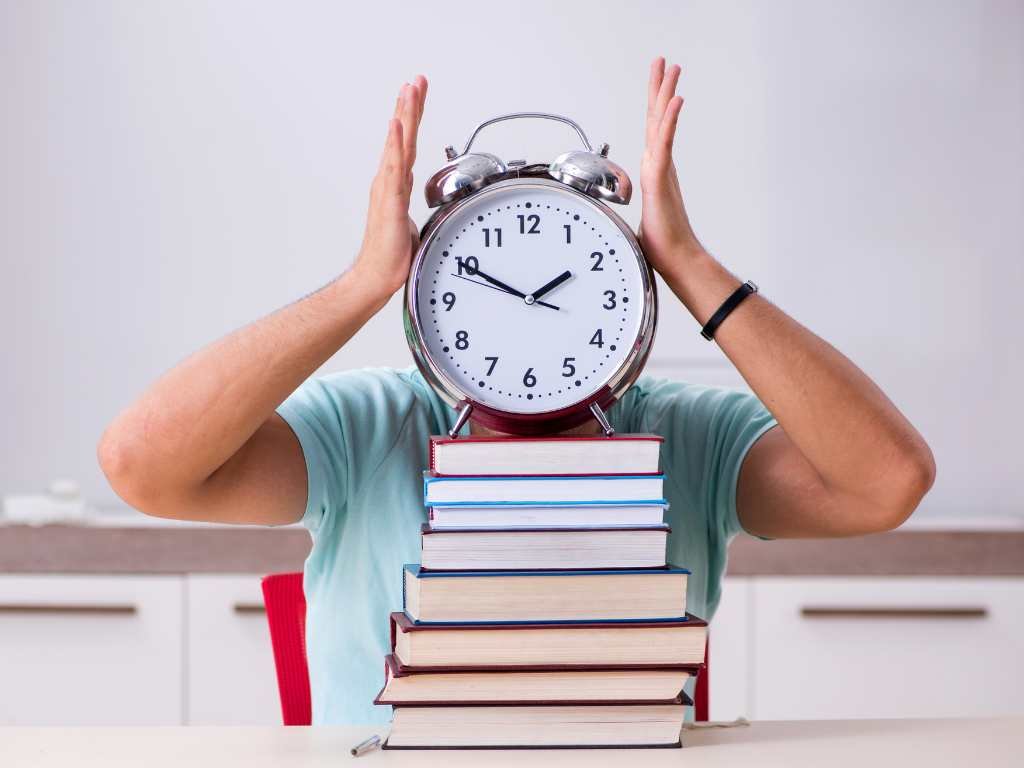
[
  {"x": 264, "y": 483},
  {"x": 780, "y": 495}
]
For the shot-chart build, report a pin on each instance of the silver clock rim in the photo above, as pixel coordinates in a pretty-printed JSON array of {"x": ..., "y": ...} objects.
[{"x": 617, "y": 382}]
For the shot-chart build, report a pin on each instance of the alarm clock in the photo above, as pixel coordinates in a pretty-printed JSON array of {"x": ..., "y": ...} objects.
[{"x": 529, "y": 303}]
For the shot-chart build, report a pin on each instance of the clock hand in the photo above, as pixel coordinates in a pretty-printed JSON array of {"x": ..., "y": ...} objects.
[
  {"x": 495, "y": 281},
  {"x": 502, "y": 290},
  {"x": 548, "y": 286}
]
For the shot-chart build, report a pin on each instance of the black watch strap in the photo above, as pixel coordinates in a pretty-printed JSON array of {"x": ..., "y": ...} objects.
[{"x": 708, "y": 331}]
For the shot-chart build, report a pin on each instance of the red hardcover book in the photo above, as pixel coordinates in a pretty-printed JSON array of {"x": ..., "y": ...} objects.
[
  {"x": 567, "y": 455},
  {"x": 565, "y": 645}
]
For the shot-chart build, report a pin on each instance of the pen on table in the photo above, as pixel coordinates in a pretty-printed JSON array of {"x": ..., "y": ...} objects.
[{"x": 365, "y": 746}]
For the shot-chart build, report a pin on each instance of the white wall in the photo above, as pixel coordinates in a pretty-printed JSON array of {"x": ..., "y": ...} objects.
[{"x": 169, "y": 171}]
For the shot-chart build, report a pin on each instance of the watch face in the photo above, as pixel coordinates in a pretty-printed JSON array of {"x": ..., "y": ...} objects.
[{"x": 529, "y": 297}]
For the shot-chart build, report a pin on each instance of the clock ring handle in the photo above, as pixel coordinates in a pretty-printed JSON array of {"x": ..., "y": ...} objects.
[{"x": 518, "y": 115}]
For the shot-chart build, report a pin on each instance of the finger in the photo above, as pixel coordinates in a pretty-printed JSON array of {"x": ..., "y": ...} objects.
[
  {"x": 408, "y": 118},
  {"x": 667, "y": 90},
  {"x": 419, "y": 97},
  {"x": 398, "y": 102},
  {"x": 667, "y": 129},
  {"x": 391, "y": 157},
  {"x": 653, "y": 85}
]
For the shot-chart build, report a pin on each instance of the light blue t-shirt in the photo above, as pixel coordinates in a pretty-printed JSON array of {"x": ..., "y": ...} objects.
[{"x": 364, "y": 436}]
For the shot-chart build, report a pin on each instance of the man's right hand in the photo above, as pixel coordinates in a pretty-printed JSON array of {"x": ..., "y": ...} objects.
[
  {"x": 391, "y": 235},
  {"x": 204, "y": 442}
]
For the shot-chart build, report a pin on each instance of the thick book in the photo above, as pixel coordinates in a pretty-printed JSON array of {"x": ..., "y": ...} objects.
[
  {"x": 458, "y": 597},
  {"x": 543, "y": 548},
  {"x": 544, "y": 726},
  {"x": 406, "y": 686},
  {"x": 576, "y": 645},
  {"x": 589, "y": 455},
  {"x": 552, "y": 490},
  {"x": 507, "y": 516}
]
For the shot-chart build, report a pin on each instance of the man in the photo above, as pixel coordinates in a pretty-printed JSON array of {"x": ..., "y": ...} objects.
[{"x": 819, "y": 452}]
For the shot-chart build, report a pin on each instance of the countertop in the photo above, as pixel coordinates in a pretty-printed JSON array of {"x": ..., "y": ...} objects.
[
  {"x": 836, "y": 743},
  {"x": 190, "y": 548}
]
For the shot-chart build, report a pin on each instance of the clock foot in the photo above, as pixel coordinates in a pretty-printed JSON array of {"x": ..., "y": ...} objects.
[
  {"x": 461, "y": 419},
  {"x": 606, "y": 426}
]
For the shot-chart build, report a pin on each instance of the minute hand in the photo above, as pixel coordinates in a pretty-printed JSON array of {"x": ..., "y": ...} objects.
[{"x": 496, "y": 282}]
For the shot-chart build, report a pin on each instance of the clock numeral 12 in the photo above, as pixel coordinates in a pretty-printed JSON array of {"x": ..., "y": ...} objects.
[{"x": 534, "y": 220}]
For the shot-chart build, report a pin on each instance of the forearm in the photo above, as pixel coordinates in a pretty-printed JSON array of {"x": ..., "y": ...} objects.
[
  {"x": 851, "y": 434},
  {"x": 200, "y": 413}
]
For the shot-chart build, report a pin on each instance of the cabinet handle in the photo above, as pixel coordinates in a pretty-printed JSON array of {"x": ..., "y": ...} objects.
[
  {"x": 246, "y": 608},
  {"x": 69, "y": 608},
  {"x": 893, "y": 612}
]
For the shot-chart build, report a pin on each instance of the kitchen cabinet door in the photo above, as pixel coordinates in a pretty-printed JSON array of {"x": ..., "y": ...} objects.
[
  {"x": 90, "y": 650},
  {"x": 729, "y": 641},
  {"x": 887, "y": 647},
  {"x": 231, "y": 677}
]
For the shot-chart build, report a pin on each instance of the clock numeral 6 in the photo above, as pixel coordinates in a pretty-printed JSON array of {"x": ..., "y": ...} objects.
[
  {"x": 462, "y": 339},
  {"x": 568, "y": 369},
  {"x": 611, "y": 300},
  {"x": 448, "y": 299},
  {"x": 469, "y": 265},
  {"x": 599, "y": 257},
  {"x": 487, "y": 237},
  {"x": 494, "y": 362},
  {"x": 597, "y": 339},
  {"x": 529, "y": 379}
]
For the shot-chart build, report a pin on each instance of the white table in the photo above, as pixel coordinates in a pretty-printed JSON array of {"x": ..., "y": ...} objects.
[{"x": 861, "y": 743}]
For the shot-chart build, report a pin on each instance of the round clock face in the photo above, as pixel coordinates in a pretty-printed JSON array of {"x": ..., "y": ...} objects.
[{"x": 529, "y": 298}]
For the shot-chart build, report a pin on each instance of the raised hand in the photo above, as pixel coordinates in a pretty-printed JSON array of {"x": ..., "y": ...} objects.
[
  {"x": 665, "y": 231},
  {"x": 391, "y": 235}
]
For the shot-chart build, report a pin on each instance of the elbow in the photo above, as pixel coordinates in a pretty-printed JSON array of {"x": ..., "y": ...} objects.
[
  {"x": 122, "y": 458},
  {"x": 911, "y": 476}
]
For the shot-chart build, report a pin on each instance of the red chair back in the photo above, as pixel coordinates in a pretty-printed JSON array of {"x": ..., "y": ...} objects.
[{"x": 286, "y": 614}]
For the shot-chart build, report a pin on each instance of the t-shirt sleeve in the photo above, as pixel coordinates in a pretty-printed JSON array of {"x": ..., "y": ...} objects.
[
  {"x": 316, "y": 414},
  {"x": 708, "y": 432},
  {"x": 348, "y": 424}
]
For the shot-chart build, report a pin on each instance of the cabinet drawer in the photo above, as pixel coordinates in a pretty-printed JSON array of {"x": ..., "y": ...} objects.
[
  {"x": 231, "y": 677},
  {"x": 900, "y": 647},
  {"x": 90, "y": 650}
]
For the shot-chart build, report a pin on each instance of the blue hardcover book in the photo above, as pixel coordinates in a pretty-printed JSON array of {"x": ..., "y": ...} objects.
[
  {"x": 589, "y": 490},
  {"x": 556, "y": 596}
]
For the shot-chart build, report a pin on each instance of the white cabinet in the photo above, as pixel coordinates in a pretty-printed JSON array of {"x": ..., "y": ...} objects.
[
  {"x": 231, "y": 678},
  {"x": 729, "y": 643},
  {"x": 90, "y": 650},
  {"x": 893, "y": 647}
]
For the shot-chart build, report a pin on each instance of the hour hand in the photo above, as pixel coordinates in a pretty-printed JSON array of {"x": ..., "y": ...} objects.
[{"x": 548, "y": 286}]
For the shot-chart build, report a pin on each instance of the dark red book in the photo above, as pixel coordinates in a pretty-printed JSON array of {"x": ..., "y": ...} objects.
[{"x": 408, "y": 687}]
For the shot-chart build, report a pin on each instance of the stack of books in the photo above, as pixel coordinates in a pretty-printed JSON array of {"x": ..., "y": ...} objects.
[{"x": 543, "y": 613}]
